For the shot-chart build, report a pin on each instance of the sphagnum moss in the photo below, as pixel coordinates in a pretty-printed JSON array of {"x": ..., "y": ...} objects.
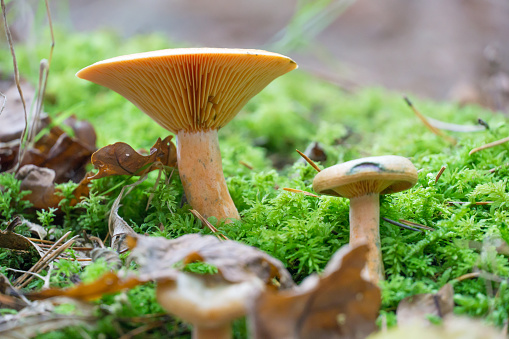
[{"x": 304, "y": 231}]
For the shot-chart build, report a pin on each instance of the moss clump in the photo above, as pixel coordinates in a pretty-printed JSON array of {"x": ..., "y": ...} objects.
[{"x": 304, "y": 231}]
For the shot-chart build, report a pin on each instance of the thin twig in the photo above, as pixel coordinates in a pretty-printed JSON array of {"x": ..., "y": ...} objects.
[
  {"x": 294, "y": 190},
  {"x": 309, "y": 161},
  {"x": 440, "y": 173},
  {"x": 425, "y": 121},
  {"x": 490, "y": 145},
  {"x": 390, "y": 221},
  {"x": 17, "y": 81},
  {"x": 209, "y": 225}
]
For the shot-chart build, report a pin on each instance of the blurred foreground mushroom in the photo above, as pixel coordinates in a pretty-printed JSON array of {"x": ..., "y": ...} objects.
[
  {"x": 193, "y": 93},
  {"x": 362, "y": 181},
  {"x": 208, "y": 301}
]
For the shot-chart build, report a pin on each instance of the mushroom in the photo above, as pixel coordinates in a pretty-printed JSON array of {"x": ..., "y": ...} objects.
[
  {"x": 362, "y": 181},
  {"x": 210, "y": 302},
  {"x": 210, "y": 306},
  {"x": 193, "y": 92}
]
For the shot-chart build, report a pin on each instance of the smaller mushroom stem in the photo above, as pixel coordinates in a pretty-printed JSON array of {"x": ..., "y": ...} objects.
[
  {"x": 201, "y": 172},
  {"x": 365, "y": 229},
  {"x": 222, "y": 332}
]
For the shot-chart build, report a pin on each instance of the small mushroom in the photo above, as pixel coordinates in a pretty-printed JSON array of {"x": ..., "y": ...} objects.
[
  {"x": 362, "y": 181},
  {"x": 210, "y": 306},
  {"x": 193, "y": 93},
  {"x": 210, "y": 302}
]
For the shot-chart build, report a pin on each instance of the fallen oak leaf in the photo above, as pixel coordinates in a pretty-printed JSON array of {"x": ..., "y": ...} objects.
[
  {"x": 415, "y": 309},
  {"x": 339, "y": 304},
  {"x": 121, "y": 159}
]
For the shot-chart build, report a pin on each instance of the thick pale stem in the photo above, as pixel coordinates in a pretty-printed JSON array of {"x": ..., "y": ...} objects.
[
  {"x": 364, "y": 228},
  {"x": 201, "y": 172},
  {"x": 220, "y": 332}
]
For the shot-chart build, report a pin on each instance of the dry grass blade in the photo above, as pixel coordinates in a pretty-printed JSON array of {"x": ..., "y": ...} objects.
[
  {"x": 37, "y": 264},
  {"x": 209, "y": 225},
  {"x": 294, "y": 190},
  {"x": 143, "y": 329},
  {"x": 245, "y": 164},
  {"x": 16, "y": 79},
  {"x": 3, "y": 103},
  {"x": 440, "y": 173},
  {"x": 468, "y": 276},
  {"x": 390, "y": 221},
  {"x": 490, "y": 145},
  {"x": 468, "y": 202},
  {"x": 425, "y": 121},
  {"x": 48, "y": 260},
  {"x": 411, "y": 223},
  {"x": 309, "y": 161}
]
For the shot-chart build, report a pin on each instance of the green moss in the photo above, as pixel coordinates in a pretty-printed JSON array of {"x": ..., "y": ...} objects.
[{"x": 302, "y": 231}]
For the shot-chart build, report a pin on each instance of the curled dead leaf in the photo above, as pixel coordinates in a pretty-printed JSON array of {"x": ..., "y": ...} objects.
[
  {"x": 236, "y": 262},
  {"x": 452, "y": 327},
  {"x": 41, "y": 182},
  {"x": 121, "y": 159},
  {"x": 415, "y": 309},
  {"x": 338, "y": 304}
]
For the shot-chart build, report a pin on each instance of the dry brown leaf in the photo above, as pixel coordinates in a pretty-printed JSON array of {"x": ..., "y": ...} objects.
[
  {"x": 108, "y": 283},
  {"x": 14, "y": 241},
  {"x": 452, "y": 327},
  {"x": 236, "y": 262},
  {"x": 339, "y": 304},
  {"x": 415, "y": 309},
  {"x": 121, "y": 159},
  {"x": 9, "y": 296},
  {"x": 66, "y": 155},
  {"x": 41, "y": 182},
  {"x": 12, "y": 119}
]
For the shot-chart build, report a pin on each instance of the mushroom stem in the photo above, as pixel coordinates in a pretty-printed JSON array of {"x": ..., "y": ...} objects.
[
  {"x": 223, "y": 332},
  {"x": 364, "y": 229},
  {"x": 201, "y": 172}
]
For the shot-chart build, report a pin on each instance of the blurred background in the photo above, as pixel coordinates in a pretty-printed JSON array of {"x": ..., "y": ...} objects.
[{"x": 446, "y": 50}]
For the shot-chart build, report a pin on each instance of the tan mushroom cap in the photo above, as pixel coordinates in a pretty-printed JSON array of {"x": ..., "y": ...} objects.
[
  {"x": 384, "y": 175},
  {"x": 207, "y": 304},
  {"x": 190, "y": 89}
]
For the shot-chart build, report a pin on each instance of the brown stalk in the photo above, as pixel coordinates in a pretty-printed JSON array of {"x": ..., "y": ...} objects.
[{"x": 17, "y": 80}]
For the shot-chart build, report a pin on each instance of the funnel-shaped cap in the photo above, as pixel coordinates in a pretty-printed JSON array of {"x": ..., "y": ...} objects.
[{"x": 190, "y": 89}]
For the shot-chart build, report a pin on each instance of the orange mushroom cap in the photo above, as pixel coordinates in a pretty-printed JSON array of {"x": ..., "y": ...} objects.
[{"x": 190, "y": 89}]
